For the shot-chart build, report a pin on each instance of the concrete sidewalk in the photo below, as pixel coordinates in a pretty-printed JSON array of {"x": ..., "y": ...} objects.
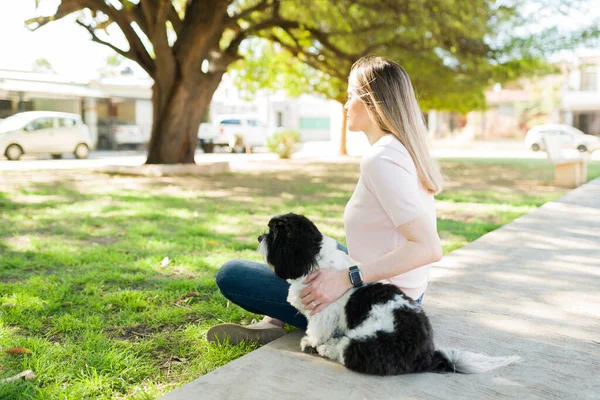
[{"x": 530, "y": 288}]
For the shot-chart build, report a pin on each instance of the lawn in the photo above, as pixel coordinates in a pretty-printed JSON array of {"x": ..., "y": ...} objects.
[{"x": 82, "y": 284}]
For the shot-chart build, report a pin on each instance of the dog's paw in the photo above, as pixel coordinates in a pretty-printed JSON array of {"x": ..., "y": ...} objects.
[
  {"x": 309, "y": 350},
  {"x": 327, "y": 351},
  {"x": 307, "y": 346}
]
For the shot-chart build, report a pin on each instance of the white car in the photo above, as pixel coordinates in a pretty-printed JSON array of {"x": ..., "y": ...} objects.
[
  {"x": 39, "y": 132},
  {"x": 238, "y": 132},
  {"x": 567, "y": 136}
]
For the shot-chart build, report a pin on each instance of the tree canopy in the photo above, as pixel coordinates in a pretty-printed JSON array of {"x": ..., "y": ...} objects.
[{"x": 452, "y": 50}]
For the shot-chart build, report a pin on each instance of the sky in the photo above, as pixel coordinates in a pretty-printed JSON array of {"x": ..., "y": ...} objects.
[{"x": 68, "y": 47}]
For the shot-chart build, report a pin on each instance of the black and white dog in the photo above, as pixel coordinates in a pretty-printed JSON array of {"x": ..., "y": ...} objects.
[{"x": 374, "y": 329}]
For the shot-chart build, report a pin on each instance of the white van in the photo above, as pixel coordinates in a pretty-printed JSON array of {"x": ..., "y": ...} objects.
[{"x": 43, "y": 132}]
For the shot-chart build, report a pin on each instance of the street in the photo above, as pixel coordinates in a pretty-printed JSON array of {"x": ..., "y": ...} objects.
[{"x": 496, "y": 149}]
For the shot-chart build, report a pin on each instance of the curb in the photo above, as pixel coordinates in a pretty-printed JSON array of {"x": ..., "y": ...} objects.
[{"x": 210, "y": 169}]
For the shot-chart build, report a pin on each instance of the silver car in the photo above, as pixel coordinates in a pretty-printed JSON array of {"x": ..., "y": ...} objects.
[
  {"x": 567, "y": 136},
  {"x": 44, "y": 132}
]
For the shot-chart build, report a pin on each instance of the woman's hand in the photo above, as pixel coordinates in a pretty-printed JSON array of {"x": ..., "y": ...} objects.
[{"x": 324, "y": 287}]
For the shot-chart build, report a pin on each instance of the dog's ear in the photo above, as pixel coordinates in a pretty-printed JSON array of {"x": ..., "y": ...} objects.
[{"x": 294, "y": 245}]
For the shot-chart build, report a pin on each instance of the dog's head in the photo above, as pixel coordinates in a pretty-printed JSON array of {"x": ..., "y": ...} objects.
[{"x": 291, "y": 246}]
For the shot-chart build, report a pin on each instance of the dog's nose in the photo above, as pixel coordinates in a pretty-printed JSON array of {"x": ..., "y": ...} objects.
[{"x": 260, "y": 238}]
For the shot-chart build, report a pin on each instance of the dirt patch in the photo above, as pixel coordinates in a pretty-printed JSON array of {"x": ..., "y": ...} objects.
[
  {"x": 20, "y": 242},
  {"x": 131, "y": 333}
]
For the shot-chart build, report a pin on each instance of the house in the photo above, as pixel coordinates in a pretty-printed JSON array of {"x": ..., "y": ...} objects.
[
  {"x": 580, "y": 95},
  {"x": 570, "y": 97},
  {"x": 99, "y": 102}
]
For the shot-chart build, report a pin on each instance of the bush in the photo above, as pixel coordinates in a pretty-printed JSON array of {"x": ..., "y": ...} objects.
[{"x": 283, "y": 143}]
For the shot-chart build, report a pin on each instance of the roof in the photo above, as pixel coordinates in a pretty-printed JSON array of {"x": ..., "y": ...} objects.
[
  {"x": 40, "y": 85},
  {"x": 35, "y": 114},
  {"x": 41, "y": 88},
  {"x": 554, "y": 126}
]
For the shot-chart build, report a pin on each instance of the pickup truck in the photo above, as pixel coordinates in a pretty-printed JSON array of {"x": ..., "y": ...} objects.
[{"x": 236, "y": 132}]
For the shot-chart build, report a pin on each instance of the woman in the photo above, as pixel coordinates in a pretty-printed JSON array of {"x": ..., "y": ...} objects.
[{"x": 390, "y": 219}]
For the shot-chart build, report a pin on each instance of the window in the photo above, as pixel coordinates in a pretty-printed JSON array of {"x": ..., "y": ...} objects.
[
  {"x": 314, "y": 123},
  {"x": 279, "y": 119},
  {"x": 40, "y": 123},
  {"x": 5, "y": 108},
  {"x": 231, "y": 122},
  {"x": 67, "y": 122},
  {"x": 25, "y": 106},
  {"x": 5, "y": 104},
  {"x": 588, "y": 81}
]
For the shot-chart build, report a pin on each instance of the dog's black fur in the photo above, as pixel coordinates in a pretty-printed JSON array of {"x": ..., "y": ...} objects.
[
  {"x": 298, "y": 243},
  {"x": 409, "y": 348}
]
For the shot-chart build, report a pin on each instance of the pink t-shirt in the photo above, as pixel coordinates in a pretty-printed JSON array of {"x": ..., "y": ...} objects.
[{"x": 388, "y": 194}]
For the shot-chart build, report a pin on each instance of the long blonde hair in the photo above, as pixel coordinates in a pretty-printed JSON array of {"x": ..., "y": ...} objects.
[{"x": 386, "y": 90}]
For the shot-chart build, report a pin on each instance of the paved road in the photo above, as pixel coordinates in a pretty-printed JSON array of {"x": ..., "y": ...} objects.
[
  {"x": 103, "y": 158},
  {"x": 498, "y": 149}
]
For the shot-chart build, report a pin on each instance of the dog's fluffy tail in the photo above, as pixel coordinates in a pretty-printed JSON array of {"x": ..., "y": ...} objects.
[{"x": 452, "y": 360}]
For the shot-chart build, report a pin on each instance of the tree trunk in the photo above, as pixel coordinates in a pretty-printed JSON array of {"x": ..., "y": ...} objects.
[
  {"x": 175, "y": 125},
  {"x": 343, "y": 151}
]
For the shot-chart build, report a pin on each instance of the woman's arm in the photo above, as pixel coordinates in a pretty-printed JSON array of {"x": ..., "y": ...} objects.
[{"x": 422, "y": 247}]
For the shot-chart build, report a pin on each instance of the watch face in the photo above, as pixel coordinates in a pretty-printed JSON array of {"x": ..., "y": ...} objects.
[{"x": 355, "y": 277}]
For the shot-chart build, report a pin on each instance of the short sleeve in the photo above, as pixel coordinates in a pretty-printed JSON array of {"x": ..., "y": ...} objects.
[{"x": 394, "y": 182}]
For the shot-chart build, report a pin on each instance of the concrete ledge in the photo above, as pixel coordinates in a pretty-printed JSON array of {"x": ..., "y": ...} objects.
[
  {"x": 570, "y": 173},
  {"x": 211, "y": 168},
  {"x": 529, "y": 288}
]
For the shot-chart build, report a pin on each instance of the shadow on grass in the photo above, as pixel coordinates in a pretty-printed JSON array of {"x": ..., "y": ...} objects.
[{"x": 80, "y": 264}]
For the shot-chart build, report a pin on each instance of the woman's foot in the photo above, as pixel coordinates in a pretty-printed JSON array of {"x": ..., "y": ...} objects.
[{"x": 262, "y": 332}]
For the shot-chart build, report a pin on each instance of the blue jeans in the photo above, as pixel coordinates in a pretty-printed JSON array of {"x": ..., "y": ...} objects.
[{"x": 255, "y": 287}]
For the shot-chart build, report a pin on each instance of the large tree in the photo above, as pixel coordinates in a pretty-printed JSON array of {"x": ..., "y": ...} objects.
[{"x": 187, "y": 45}]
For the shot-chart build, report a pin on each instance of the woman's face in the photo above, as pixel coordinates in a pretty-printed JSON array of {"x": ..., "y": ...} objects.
[{"x": 357, "y": 114}]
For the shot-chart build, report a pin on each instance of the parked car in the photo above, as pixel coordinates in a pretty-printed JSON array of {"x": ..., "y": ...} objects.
[
  {"x": 569, "y": 137},
  {"x": 38, "y": 132},
  {"x": 114, "y": 134},
  {"x": 237, "y": 132}
]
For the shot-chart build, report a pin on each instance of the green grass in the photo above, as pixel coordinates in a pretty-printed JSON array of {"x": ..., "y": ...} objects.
[{"x": 82, "y": 287}]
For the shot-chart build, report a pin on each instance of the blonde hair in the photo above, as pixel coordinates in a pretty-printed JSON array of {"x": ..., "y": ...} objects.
[{"x": 386, "y": 90}]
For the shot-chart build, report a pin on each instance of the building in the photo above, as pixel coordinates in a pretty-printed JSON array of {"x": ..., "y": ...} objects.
[
  {"x": 570, "y": 97},
  {"x": 101, "y": 102},
  {"x": 580, "y": 95},
  {"x": 126, "y": 99},
  {"x": 315, "y": 118}
]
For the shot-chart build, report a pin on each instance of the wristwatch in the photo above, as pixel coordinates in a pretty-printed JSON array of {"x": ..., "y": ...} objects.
[{"x": 355, "y": 275}]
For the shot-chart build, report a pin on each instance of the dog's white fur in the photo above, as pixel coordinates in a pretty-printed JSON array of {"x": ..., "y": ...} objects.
[{"x": 325, "y": 327}]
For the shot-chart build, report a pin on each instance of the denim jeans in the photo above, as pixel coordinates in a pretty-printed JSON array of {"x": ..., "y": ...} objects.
[{"x": 255, "y": 287}]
